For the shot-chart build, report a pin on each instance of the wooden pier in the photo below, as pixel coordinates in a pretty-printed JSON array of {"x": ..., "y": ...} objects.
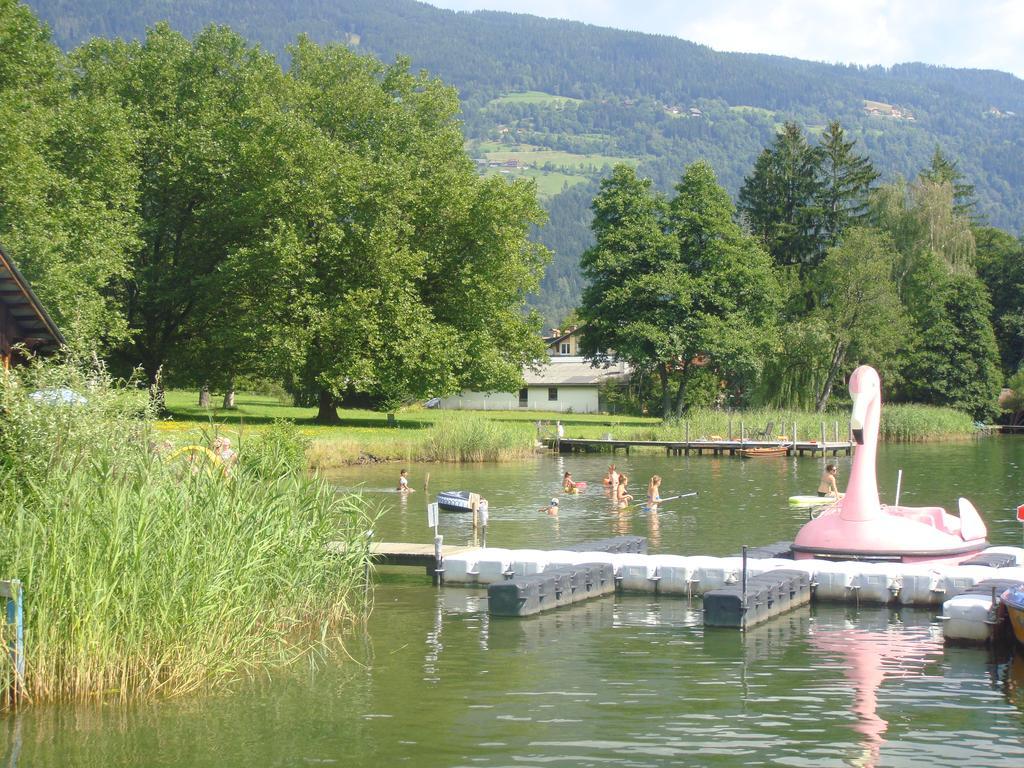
[
  {"x": 391, "y": 553},
  {"x": 699, "y": 447}
]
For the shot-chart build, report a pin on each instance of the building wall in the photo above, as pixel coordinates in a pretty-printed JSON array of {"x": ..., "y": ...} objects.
[{"x": 578, "y": 399}]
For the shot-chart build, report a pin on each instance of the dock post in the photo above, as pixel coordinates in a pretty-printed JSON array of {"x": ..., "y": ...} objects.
[
  {"x": 730, "y": 427},
  {"x": 794, "y": 438},
  {"x": 823, "y": 451},
  {"x": 687, "y": 449},
  {"x": 742, "y": 431},
  {"x": 835, "y": 431},
  {"x": 438, "y": 575},
  {"x": 743, "y": 623}
]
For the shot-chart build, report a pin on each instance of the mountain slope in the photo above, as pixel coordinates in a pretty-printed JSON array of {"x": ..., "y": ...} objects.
[{"x": 558, "y": 101}]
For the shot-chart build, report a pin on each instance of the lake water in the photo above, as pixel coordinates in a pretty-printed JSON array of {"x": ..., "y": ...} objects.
[{"x": 624, "y": 681}]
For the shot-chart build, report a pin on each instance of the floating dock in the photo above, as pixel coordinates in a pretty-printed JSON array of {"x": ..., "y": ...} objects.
[{"x": 531, "y": 580}]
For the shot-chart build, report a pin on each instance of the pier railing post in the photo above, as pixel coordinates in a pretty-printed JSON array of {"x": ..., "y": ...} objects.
[
  {"x": 15, "y": 616},
  {"x": 743, "y": 591},
  {"x": 823, "y": 451}
]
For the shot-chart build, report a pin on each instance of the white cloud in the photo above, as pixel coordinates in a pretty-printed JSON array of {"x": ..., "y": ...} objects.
[{"x": 958, "y": 33}]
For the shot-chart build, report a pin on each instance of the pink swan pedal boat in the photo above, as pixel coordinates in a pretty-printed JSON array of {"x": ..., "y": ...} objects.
[{"x": 859, "y": 527}]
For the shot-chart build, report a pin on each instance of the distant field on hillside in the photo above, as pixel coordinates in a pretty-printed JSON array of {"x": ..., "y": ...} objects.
[
  {"x": 538, "y": 157},
  {"x": 549, "y": 183},
  {"x": 534, "y": 97}
]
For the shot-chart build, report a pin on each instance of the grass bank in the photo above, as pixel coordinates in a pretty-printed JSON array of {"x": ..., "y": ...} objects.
[
  {"x": 421, "y": 434},
  {"x": 147, "y": 574}
]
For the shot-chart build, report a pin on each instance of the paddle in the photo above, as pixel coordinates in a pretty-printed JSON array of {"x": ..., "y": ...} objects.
[{"x": 662, "y": 501}]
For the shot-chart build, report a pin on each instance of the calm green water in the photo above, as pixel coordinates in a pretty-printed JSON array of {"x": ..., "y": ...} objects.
[{"x": 625, "y": 681}]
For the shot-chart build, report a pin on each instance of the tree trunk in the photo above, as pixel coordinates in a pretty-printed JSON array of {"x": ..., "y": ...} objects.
[
  {"x": 838, "y": 357},
  {"x": 680, "y": 404},
  {"x": 204, "y": 396},
  {"x": 229, "y": 396},
  {"x": 666, "y": 396},
  {"x": 327, "y": 410}
]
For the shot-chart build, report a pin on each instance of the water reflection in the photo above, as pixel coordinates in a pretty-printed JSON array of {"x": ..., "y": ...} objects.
[{"x": 871, "y": 656}]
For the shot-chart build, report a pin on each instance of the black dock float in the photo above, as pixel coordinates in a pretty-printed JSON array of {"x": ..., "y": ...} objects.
[
  {"x": 527, "y": 595},
  {"x": 764, "y": 597}
]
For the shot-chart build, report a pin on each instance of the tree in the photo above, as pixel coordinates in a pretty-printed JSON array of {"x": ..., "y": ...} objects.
[
  {"x": 637, "y": 289},
  {"x": 393, "y": 271},
  {"x": 67, "y": 184},
  {"x": 678, "y": 290},
  {"x": 956, "y": 361},
  {"x": 779, "y": 200},
  {"x": 942, "y": 170},
  {"x": 206, "y": 116},
  {"x": 857, "y": 304},
  {"x": 845, "y": 183},
  {"x": 1000, "y": 259}
]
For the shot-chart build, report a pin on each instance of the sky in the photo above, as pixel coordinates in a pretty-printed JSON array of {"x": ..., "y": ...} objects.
[{"x": 986, "y": 34}]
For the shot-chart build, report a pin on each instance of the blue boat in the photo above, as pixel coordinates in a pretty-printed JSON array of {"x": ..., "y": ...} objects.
[{"x": 454, "y": 501}]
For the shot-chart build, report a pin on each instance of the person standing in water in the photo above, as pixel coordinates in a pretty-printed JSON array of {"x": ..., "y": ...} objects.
[
  {"x": 827, "y": 485},
  {"x": 622, "y": 494},
  {"x": 654, "y": 490}
]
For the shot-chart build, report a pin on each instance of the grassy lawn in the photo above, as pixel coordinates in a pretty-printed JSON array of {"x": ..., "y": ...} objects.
[{"x": 753, "y": 110}]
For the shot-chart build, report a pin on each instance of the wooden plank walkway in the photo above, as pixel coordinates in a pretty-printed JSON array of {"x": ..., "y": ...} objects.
[
  {"x": 714, "y": 447},
  {"x": 395, "y": 553}
]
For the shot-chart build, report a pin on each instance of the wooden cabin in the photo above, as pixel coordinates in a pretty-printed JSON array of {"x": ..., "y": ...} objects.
[{"x": 24, "y": 323}]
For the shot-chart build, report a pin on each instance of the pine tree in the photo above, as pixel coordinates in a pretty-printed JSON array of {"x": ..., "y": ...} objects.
[{"x": 845, "y": 182}]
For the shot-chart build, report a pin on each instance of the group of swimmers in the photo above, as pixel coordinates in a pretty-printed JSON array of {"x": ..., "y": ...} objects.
[{"x": 617, "y": 485}]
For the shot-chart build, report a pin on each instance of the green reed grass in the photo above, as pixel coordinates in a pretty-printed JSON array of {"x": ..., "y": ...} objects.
[
  {"x": 148, "y": 576},
  {"x": 474, "y": 437},
  {"x": 902, "y": 423},
  {"x": 918, "y": 423}
]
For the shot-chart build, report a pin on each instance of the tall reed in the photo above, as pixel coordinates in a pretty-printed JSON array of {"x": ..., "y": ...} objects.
[
  {"x": 474, "y": 437},
  {"x": 146, "y": 575}
]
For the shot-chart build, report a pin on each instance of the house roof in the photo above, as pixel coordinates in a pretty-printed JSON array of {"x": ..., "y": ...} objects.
[
  {"x": 38, "y": 330},
  {"x": 574, "y": 372}
]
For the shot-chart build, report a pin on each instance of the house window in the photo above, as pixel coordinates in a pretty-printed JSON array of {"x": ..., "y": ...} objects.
[
  {"x": 552, "y": 393},
  {"x": 524, "y": 397},
  {"x": 564, "y": 348}
]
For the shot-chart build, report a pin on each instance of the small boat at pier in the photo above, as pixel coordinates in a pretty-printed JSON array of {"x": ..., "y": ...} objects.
[
  {"x": 768, "y": 450},
  {"x": 454, "y": 501}
]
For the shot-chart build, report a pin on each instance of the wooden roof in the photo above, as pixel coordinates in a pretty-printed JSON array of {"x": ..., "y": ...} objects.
[{"x": 36, "y": 330}]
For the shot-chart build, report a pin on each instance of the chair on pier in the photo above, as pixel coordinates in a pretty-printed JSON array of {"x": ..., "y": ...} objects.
[{"x": 766, "y": 433}]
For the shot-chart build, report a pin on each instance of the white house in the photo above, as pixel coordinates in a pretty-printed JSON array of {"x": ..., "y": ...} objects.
[{"x": 567, "y": 383}]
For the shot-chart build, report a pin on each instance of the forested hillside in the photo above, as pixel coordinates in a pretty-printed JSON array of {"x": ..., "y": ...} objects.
[{"x": 561, "y": 101}]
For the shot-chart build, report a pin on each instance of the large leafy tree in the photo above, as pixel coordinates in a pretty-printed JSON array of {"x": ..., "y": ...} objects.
[
  {"x": 955, "y": 361},
  {"x": 859, "y": 311},
  {"x": 679, "y": 289},
  {"x": 637, "y": 288},
  {"x": 393, "y": 271},
  {"x": 67, "y": 183},
  {"x": 1000, "y": 259},
  {"x": 203, "y": 113}
]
